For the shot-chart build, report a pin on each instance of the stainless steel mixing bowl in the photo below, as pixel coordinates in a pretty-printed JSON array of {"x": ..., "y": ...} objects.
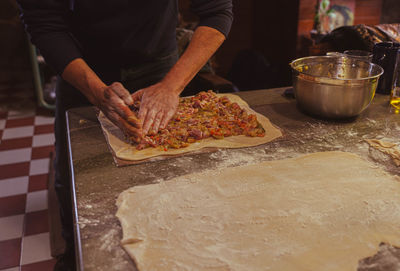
[{"x": 334, "y": 86}]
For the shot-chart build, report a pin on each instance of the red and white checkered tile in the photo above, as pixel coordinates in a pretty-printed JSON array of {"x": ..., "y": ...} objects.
[{"x": 26, "y": 142}]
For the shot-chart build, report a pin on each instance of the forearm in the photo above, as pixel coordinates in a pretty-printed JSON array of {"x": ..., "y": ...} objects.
[
  {"x": 204, "y": 43},
  {"x": 82, "y": 77}
]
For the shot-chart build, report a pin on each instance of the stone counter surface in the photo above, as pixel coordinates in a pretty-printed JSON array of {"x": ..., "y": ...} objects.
[{"x": 98, "y": 182}]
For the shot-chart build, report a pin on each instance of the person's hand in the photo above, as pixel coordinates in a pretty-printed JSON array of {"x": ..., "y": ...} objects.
[
  {"x": 114, "y": 101},
  {"x": 158, "y": 104}
]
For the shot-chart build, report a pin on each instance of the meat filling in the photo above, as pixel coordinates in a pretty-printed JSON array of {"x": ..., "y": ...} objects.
[{"x": 199, "y": 117}]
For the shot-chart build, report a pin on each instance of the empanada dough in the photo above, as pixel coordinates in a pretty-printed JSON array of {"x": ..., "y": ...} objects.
[
  {"x": 323, "y": 211},
  {"x": 124, "y": 150}
]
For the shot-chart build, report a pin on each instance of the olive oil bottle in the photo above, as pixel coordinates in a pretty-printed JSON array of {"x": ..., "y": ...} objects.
[{"x": 395, "y": 98}]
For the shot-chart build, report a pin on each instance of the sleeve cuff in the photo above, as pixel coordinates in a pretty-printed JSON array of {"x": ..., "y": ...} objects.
[{"x": 221, "y": 22}]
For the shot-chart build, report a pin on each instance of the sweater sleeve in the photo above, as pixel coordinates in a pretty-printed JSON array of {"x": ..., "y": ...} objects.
[
  {"x": 214, "y": 13},
  {"x": 46, "y": 22}
]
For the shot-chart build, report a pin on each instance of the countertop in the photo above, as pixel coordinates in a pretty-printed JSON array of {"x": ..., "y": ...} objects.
[{"x": 97, "y": 182}]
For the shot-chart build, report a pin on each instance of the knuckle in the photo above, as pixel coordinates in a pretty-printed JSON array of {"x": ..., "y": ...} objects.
[
  {"x": 120, "y": 103},
  {"x": 127, "y": 96},
  {"x": 116, "y": 85}
]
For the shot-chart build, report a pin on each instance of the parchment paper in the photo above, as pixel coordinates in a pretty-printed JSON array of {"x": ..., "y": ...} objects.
[{"x": 125, "y": 151}]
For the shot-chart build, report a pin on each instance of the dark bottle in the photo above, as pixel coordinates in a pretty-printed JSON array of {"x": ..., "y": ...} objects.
[{"x": 386, "y": 55}]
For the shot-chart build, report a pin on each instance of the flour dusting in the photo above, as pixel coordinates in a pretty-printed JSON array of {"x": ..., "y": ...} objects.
[{"x": 109, "y": 240}]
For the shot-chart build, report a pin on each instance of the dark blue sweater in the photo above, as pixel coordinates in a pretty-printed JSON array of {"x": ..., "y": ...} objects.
[{"x": 112, "y": 33}]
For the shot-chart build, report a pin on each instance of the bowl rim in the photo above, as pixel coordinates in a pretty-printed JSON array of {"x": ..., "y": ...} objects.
[{"x": 381, "y": 70}]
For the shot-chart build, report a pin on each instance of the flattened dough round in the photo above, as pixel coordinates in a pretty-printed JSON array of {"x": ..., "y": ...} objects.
[{"x": 323, "y": 211}]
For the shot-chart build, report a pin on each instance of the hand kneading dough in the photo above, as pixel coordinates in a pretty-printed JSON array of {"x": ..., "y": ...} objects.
[{"x": 323, "y": 211}]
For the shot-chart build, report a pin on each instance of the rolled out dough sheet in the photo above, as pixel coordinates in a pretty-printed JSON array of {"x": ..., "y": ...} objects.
[
  {"x": 323, "y": 211},
  {"x": 125, "y": 151}
]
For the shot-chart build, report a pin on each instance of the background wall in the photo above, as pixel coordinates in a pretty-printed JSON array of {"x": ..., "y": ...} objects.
[{"x": 390, "y": 11}]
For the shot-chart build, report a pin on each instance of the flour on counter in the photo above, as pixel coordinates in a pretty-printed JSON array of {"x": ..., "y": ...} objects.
[
  {"x": 83, "y": 222},
  {"x": 109, "y": 240}
]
